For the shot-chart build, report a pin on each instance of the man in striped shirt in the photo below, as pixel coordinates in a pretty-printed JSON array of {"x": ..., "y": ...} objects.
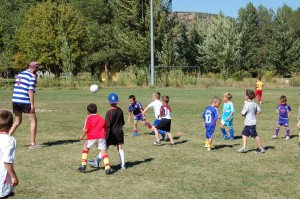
[{"x": 23, "y": 101}]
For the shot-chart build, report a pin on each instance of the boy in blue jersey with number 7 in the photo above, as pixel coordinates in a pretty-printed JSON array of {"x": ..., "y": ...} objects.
[{"x": 211, "y": 117}]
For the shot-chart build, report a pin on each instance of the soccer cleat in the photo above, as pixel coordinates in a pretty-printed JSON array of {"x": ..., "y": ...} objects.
[
  {"x": 242, "y": 150},
  {"x": 224, "y": 137},
  {"x": 231, "y": 138},
  {"x": 156, "y": 142},
  {"x": 274, "y": 137},
  {"x": 81, "y": 168},
  {"x": 108, "y": 171},
  {"x": 208, "y": 149},
  {"x": 135, "y": 134},
  {"x": 123, "y": 167},
  {"x": 93, "y": 163},
  {"x": 34, "y": 146},
  {"x": 172, "y": 144},
  {"x": 260, "y": 150},
  {"x": 287, "y": 137}
]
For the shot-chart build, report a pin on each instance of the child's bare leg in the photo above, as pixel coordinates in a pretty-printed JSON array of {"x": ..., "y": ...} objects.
[
  {"x": 170, "y": 137},
  {"x": 244, "y": 141},
  {"x": 258, "y": 142},
  {"x": 156, "y": 133}
]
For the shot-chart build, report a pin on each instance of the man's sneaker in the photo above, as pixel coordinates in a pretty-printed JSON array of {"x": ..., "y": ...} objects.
[
  {"x": 81, "y": 168},
  {"x": 123, "y": 167},
  {"x": 108, "y": 171},
  {"x": 287, "y": 137},
  {"x": 231, "y": 138},
  {"x": 260, "y": 150},
  {"x": 93, "y": 163},
  {"x": 224, "y": 137},
  {"x": 274, "y": 137},
  {"x": 156, "y": 142},
  {"x": 135, "y": 134},
  {"x": 242, "y": 150},
  {"x": 34, "y": 146}
]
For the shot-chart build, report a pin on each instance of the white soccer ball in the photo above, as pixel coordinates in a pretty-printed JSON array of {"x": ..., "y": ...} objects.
[{"x": 94, "y": 88}]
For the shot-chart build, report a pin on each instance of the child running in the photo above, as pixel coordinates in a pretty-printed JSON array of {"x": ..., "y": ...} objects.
[
  {"x": 8, "y": 176},
  {"x": 250, "y": 110},
  {"x": 165, "y": 123},
  {"x": 95, "y": 129},
  {"x": 136, "y": 108},
  {"x": 211, "y": 117},
  {"x": 156, "y": 105},
  {"x": 284, "y": 111},
  {"x": 227, "y": 117}
]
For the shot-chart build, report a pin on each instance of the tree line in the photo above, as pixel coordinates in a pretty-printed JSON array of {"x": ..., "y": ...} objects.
[{"x": 96, "y": 36}]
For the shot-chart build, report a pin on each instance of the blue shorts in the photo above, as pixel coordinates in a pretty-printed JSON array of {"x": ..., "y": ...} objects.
[
  {"x": 283, "y": 122},
  {"x": 139, "y": 117},
  {"x": 228, "y": 123},
  {"x": 209, "y": 133}
]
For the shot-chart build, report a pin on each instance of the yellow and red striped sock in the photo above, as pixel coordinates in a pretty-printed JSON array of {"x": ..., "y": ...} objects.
[
  {"x": 106, "y": 161},
  {"x": 84, "y": 156}
]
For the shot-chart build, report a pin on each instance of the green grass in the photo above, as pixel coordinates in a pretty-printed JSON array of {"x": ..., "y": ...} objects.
[{"x": 184, "y": 171}]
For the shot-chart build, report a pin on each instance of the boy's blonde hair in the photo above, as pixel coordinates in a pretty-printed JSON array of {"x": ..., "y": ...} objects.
[
  {"x": 6, "y": 120},
  {"x": 228, "y": 95},
  {"x": 156, "y": 95},
  {"x": 165, "y": 99},
  {"x": 216, "y": 99}
]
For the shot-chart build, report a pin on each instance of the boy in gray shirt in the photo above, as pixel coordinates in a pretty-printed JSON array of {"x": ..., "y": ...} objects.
[{"x": 250, "y": 110}]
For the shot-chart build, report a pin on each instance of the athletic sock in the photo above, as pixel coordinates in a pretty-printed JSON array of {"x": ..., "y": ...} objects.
[
  {"x": 277, "y": 131},
  {"x": 106, "y": 162},
  {"x": 84, "y": 156},
  {"x": 148, "y": 125},
  {"x": 231, "y": 131},
  {"x": 98, "y": 159},
  {"x": 122, "y": 157},
  {"x": 223, "y": 131},
  {"x": 287, "y": 129},
  {"x": 135, "y": 130}
]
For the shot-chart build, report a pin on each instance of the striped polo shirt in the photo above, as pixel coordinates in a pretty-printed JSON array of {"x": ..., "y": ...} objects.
[{"x": 25, "y": 81}]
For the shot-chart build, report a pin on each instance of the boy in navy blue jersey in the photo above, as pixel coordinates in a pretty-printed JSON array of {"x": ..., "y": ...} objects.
[
  {"x": 284, "y": 111},
  {"x": 211, "y": 117}
]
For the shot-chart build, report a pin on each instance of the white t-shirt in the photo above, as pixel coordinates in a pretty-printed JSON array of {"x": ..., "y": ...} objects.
[
  {"x": 155, "y": 105},
  {"x": 7, "y": 155}
]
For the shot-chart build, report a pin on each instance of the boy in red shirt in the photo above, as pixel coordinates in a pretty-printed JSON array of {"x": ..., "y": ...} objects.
[{"x": 95, "y": 129}]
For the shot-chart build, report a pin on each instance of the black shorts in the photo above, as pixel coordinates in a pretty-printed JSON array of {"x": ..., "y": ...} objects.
[
  {"x": 21, "y": 108},
  {"x": 164, "y": 124},
  {"x": 250, "y": 131}
]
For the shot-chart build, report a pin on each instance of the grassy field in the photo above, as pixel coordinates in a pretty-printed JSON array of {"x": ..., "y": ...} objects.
[{"x": 186, "y": 170}]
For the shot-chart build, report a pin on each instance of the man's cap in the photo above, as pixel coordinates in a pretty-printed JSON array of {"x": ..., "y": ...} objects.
[
  {"x": 33, "y": 64},
  {"x": 113, "y": 98}
]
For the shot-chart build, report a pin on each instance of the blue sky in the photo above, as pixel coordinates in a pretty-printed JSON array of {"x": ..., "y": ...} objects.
[{"x": 228, "y": 7}]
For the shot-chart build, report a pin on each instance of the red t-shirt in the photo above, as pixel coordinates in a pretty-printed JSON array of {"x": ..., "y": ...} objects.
[{"x": 96, "y": 127}]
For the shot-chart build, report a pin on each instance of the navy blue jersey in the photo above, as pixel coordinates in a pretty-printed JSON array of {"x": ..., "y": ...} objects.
[{"x": 136, "y": 108}]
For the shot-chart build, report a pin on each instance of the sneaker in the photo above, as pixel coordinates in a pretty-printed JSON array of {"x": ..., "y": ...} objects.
[
  {"x": 224, "y": 137},
  {"x": 93, "y": 163},
  {"x": 34, "y": 146},
  {"x": 274, "y": 137},
  {"x": 260, "y": 150},
  {"x": 156, "y": 142},
  {"x": 287, "y": 137},
  {"x": 81, "y": 168},
  {"x": 108, "y": 171},
  {"x": 242, "y": 150},
  {"x": 231, "y": 138},
  {"x": 135, "y": 134},
  {"x": 123, "y": 167},
  {"x": 208, "y": 149}
]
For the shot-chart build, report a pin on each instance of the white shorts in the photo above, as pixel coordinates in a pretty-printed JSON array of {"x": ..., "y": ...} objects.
[{"x": 99, "y": 143}]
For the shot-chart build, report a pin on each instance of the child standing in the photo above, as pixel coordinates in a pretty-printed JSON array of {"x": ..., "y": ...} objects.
[
  {"x": 156, "y": 105},
  {"x": 136, "y": 109},
  {"x": 227, "y": 116},
  {"x": 115, "y": 121},
  {"x": 250, "y": 110},
  {"x": 95, "y": 129},
  {"x": 259, "y": 89},
  {"x": 8, "y": 177},
  {"x": 284, "y": 111},
  {"x": 211, "y": 117},
  {"x": 165, "y": 123}
]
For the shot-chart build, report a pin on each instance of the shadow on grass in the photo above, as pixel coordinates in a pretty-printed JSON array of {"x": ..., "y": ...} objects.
[
  {"x": 266, "y": 148},
  {"x": 224, "y": 146},
  {"x": 59, "y": 142}
]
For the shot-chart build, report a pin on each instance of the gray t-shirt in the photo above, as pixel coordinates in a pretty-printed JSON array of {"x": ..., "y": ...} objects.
[{"x": 250, "y": 110}]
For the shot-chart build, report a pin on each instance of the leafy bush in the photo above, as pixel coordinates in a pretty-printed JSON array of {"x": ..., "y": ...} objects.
[{"x": 295, "y": 80}]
